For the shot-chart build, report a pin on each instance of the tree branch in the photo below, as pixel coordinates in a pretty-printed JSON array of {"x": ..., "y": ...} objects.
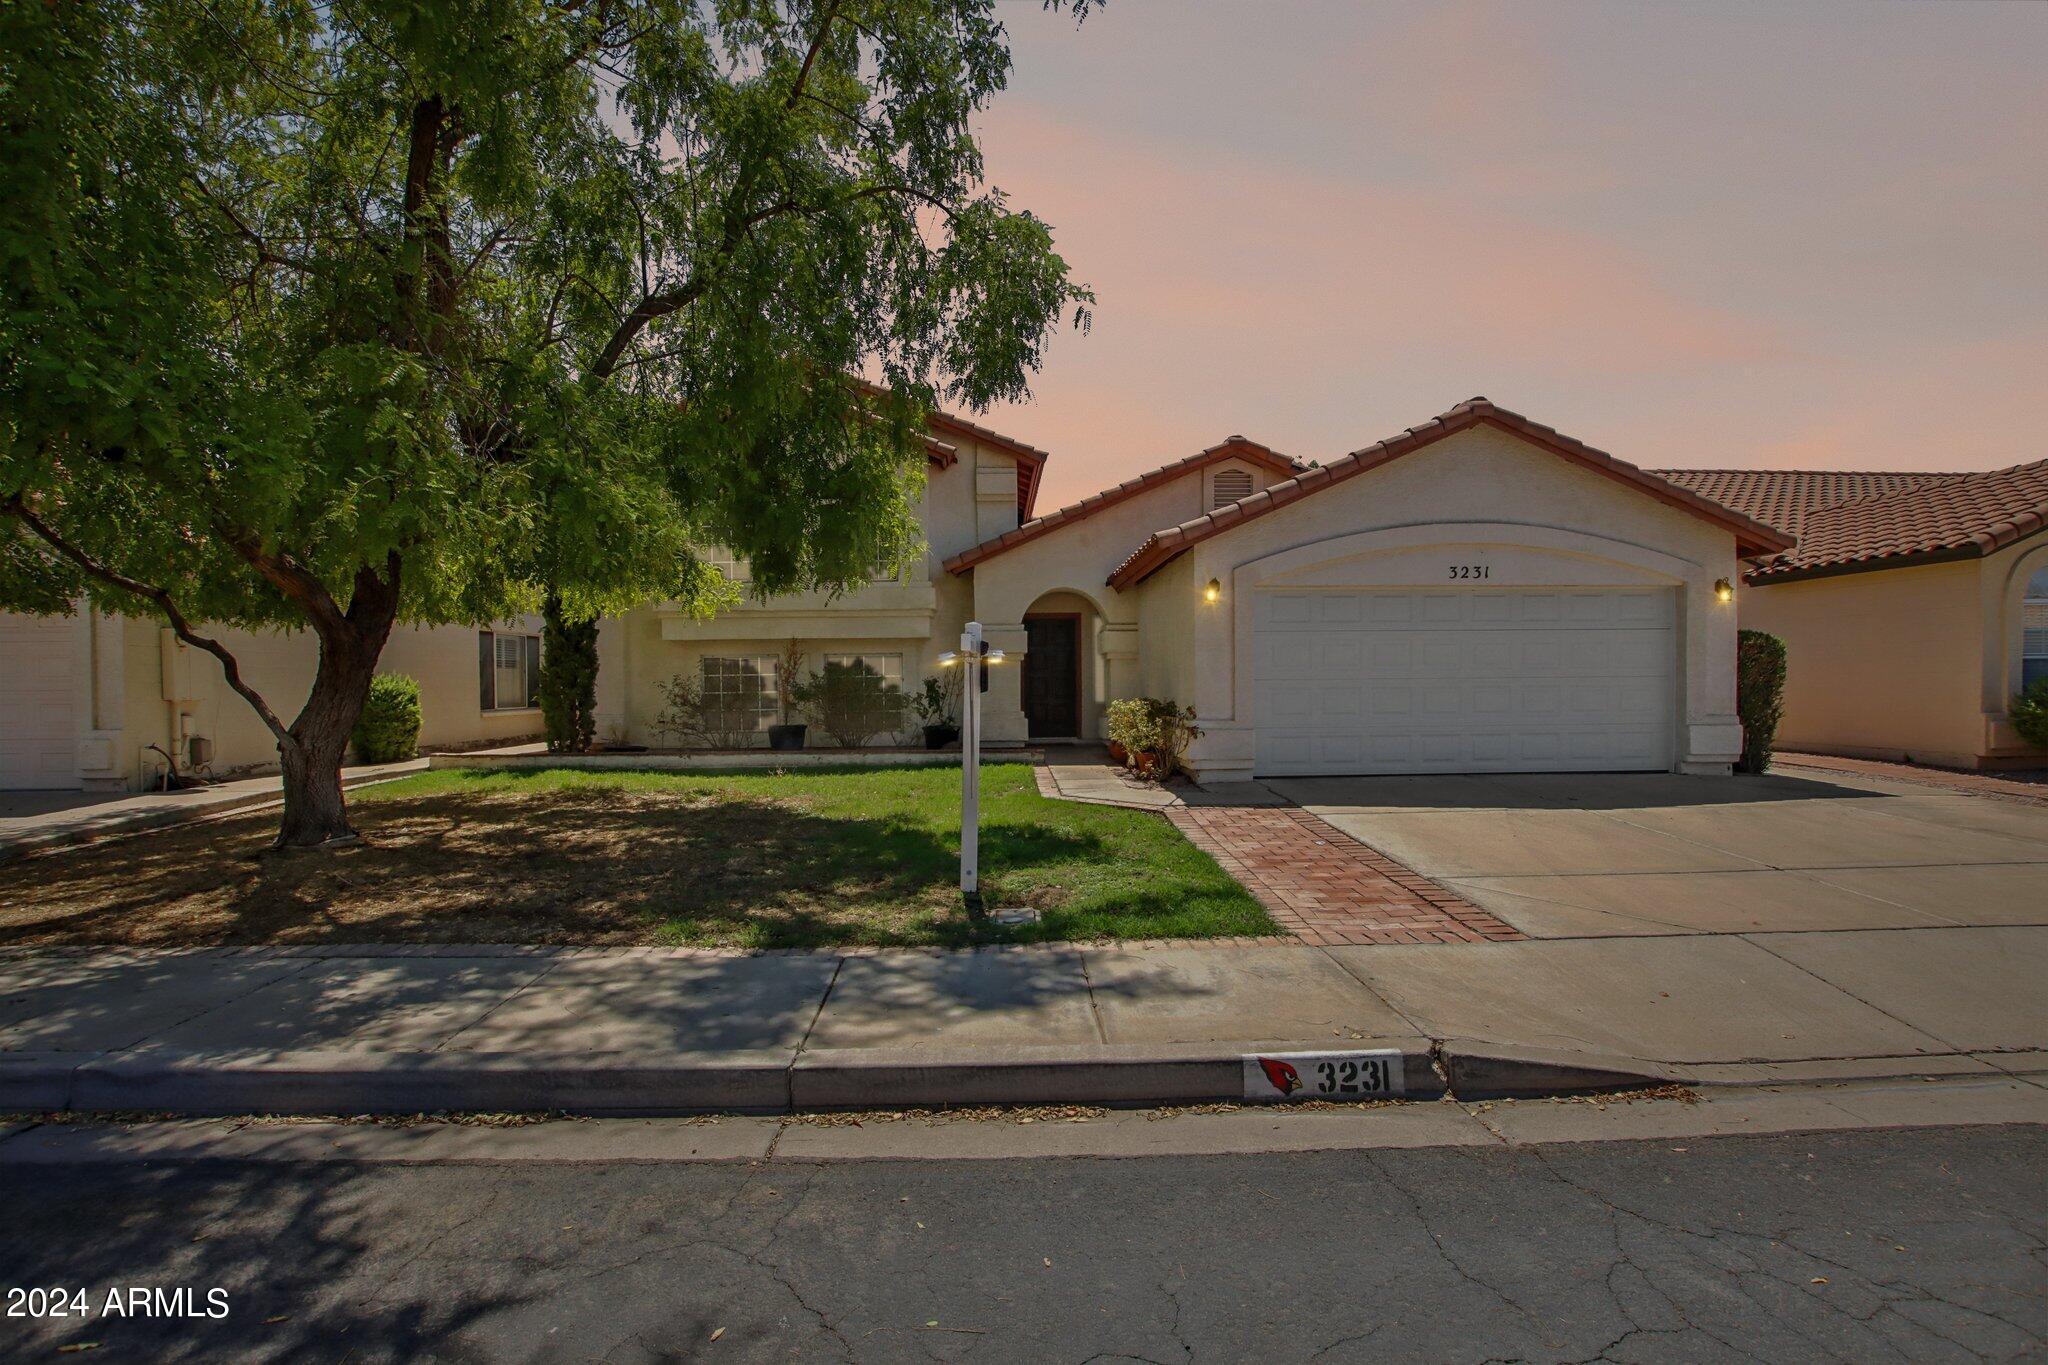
[
  {"x": 803, "y": 74},
  {"x": 17, "y": 506}
]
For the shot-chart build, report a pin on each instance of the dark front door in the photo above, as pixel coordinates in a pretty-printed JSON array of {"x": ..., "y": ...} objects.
[{"x": 1052, "y": 676}]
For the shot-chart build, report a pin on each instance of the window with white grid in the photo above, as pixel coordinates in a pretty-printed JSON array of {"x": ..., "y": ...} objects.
[
  {"x": 733, "y": 566},
  {"x": 2034, "y": 630},
  {"x": 743, "y": 686},
  {"x": 1228, "y": 486},
  {"x": 887, "y": 667}
]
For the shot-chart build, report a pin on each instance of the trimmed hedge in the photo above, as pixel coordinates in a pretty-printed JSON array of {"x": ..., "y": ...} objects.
[
  {"x": 2029, "y": 713},
  {"x": 1759, "y": 696},
  {"x": 388, "y": 730}
]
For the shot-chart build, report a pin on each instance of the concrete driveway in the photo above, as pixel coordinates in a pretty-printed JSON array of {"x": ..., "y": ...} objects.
[{"x": 1576, "y": 856}]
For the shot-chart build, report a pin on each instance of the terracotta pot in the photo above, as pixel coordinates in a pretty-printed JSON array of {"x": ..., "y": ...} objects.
[{"x": 1118, "y": 754}]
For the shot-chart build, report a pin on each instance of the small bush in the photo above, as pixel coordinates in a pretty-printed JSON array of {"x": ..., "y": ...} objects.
[
  {"x": 724, "y": 720},
  {"x": 1152, "y": 725},
  {"x": 568, "y": 680},
  {"x": 388, "y": 730},
  {"x": 2029, "y": 713},
  {"x": 1759, "y": 696},
  {"x": 852, "y": 703}
]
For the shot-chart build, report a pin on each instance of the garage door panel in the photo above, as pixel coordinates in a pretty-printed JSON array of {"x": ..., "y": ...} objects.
[
  {"x": 1487, "y": 680},
  {"x": 39, "y": 696}
]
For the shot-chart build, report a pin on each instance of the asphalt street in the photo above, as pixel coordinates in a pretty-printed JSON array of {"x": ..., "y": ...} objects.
[{"x": 1874, "y": 1245}]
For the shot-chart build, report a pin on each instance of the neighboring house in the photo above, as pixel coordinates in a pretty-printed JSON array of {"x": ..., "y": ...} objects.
[
  {"x": 1478, "y": 593},
  {"x": 83, "y": 697},
  {"x": 1913, "y": 606}
]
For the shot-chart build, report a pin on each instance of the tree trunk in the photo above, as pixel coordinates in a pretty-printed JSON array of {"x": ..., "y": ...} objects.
[{"x": 310, "y": 758}]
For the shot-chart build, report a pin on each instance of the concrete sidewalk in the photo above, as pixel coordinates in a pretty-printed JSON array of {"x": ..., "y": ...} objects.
[
  {"x": 353, "y": 1029},
  {"x": 37, "y": 821}
]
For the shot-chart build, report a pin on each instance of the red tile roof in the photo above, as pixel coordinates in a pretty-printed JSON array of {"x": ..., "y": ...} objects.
[
  {"x": 1232, "y": 447},
  {"x": 1783, "y": 497},
  {"x": 1752, "y": 537},
  {"x": 1850, "y": 522}
]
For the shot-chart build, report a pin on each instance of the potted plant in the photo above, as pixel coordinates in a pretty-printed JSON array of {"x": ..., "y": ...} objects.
[
  {"x": 790, "y": 733},
  {"x": 936, "y": 704}
]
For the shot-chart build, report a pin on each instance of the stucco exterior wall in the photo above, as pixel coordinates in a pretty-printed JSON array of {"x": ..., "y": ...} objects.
[
  {"x": 1078, "y": 558},
  {"x": 1915, "y": 662},
  {"x": 1538, "y": 519}
]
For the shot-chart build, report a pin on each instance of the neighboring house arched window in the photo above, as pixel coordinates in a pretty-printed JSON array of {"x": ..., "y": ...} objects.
[{"x": 2034, "y": 629}]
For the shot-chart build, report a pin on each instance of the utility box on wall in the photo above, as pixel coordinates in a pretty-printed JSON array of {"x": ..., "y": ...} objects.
[{"x": 180, "y": 668}]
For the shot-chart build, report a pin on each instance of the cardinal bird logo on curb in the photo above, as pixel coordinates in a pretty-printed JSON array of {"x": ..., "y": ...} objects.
[{"x": 1283, "y": 1076}]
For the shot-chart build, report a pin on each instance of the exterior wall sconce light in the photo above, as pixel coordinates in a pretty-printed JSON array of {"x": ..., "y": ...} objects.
[
  {"x": 1724, "y": 590},
  {"x": 1213, "y": 592}
]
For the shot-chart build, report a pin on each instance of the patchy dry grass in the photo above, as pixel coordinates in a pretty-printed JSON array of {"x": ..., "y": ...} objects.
[{"x": 810, "y": 858}]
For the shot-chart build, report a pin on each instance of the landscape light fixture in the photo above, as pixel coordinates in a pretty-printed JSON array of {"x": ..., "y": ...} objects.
[{"x": 973, "y": 655}]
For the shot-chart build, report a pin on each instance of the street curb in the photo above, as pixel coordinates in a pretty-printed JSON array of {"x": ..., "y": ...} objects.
[
  {"x": 778, "y": 1080},
  {"x": 1496, "y": 1071}
]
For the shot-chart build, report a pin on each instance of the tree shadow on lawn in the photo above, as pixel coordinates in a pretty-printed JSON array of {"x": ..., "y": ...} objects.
[{"x": 528, "y": 865}]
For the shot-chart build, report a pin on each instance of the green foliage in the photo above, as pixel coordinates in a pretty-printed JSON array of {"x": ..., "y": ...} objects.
[
  {"x": 568, "y": 680},
  {"x": 1153, "y": 725},
  {"x": 851, "y": 702},
  {"x": 697, "y": 717},
  {"x": 388, "y": 730},
  {"x": 1759, "y": 696},
  {"x": 321, "y": 316},
  {"x": 2028, "y": 712},
  {"x": 937, "y": 700}
]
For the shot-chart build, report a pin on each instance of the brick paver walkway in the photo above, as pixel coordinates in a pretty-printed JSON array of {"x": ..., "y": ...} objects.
[
  {"x": 1325, "y": 887},
  {"x": 2013, "y": 788}
]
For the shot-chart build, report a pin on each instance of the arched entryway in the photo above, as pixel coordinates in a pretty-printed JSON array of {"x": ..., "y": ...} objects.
[{"x": 1060, "y": 683}]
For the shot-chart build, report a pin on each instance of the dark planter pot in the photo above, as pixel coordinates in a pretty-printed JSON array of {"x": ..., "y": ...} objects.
[
  {"x": 786, "y": 736},
  {"x": 939, "y": 736}
]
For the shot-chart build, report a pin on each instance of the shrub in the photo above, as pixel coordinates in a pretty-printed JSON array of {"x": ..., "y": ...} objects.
[
  {"x": 1759, "y": 696},
  {"x": 1152, "y": 725},
  {"x": 851, "y": 702},
  {"x": 568, "y": 680},
  {"x": 2029, "y": 713},
  {"x": 937, "y": 702},
  {"x": 724, "y": 721},
  {"x": 388, "y": 730}
]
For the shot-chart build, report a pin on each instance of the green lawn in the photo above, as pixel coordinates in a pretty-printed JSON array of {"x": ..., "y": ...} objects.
[{"x": 806, "y": 858}]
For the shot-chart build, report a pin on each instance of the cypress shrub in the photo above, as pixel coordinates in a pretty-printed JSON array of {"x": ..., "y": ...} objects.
[
  {"x": 2028, "y": 712},
  {"x": 388, "y": 730},
  {"x": 1759, "y": 695},
  {"x": 568, "y": 680}
]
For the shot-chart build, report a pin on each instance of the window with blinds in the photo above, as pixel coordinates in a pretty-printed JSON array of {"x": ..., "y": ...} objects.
[
  {"x": 508, "y": 670},
  {"x": 2034, "y": 630},
  {"x": 1228, "y": 486}
]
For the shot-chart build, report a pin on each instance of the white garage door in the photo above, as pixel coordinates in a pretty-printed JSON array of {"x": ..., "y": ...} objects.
[
  {"x": 1463, "y": 680},
  {"x": 39, "y": 696}
]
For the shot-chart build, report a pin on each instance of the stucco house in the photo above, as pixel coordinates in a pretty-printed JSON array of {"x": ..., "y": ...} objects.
[
  {"x": 1914, "y": 605},
  {"x": 83, "y": 698},
  {"x": 1478, "y": 593}
]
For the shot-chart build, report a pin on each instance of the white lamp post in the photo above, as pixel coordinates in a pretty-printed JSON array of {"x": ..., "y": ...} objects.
[{"x": 973, "y": 656}]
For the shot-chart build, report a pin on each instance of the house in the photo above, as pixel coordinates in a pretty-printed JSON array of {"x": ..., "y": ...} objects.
[
  {"x": 1913, "y": 606},
  {"x": 97, "y": 701},
  {"x": 1478, "y": 593}
]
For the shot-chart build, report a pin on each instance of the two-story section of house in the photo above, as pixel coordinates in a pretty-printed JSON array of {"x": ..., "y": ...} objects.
[{"x": 980, "y": 484}]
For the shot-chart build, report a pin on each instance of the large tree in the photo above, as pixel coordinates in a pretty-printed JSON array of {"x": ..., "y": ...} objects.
[{"x": 332, "y": 314}]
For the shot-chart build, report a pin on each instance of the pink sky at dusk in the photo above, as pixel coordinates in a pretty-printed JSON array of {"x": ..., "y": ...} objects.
[{"x": 1707, "y": 235}]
